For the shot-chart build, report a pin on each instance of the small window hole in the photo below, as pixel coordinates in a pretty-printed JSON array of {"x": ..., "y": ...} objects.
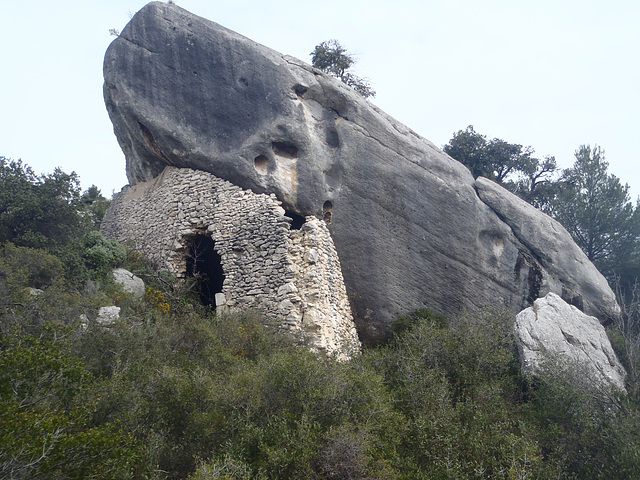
[
  {"x": 327, "y": 208},
  {"x": 300, "y": 90},
  {"x": 261, "y": 164},
  {"x": 284, "y": 149}
]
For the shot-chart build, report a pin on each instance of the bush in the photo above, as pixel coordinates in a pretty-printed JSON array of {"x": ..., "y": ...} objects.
[
  {"x": 585, "y": 432},
  {"x": 101, "y": 254},
  {"x": 22, "y": 267},
  {"x": 230, "y": 393},
  {"x": 46, "y": 427},
  {"x": 460, "y": 390}
]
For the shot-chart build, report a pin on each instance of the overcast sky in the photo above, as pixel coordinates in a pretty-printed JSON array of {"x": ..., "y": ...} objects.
[{"x": 552, "y": 74}]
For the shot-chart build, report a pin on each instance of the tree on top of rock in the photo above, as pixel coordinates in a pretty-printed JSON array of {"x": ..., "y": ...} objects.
[{"x": 333, "y": 58}]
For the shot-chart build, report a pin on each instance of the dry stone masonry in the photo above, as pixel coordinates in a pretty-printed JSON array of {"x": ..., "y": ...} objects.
[{"x": 185, "y": 218}]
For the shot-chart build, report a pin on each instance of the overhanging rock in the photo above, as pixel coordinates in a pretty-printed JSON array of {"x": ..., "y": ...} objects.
[{"x": 406, "y": 219}]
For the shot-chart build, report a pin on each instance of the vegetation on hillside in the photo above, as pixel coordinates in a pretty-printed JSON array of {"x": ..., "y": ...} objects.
[{"x": 173, "y": 390}]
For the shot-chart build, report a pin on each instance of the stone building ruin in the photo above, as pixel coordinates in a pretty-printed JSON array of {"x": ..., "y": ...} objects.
[{"x": 247, "y": 252}]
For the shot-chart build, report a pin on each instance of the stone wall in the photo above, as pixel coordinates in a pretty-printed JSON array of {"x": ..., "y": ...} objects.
[{"x": 290, "y": 274}]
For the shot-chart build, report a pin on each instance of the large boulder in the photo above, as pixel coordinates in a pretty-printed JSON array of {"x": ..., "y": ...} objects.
[
  {"x": 107, "y": 316},
  {"x": 129, "y": 282},
  {"x": 553, "y": 331},
  {"x": 407, "y": 222}
]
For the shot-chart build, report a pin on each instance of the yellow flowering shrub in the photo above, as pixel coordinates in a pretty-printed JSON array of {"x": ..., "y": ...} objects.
[{"x": 156, "y": 298}]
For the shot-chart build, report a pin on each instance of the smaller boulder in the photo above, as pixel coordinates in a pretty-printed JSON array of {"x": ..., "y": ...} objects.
[
  {"x": 130, "y": 283},
  {"x": 553, "y": 330},
  {"x": 107, "y": 316}
]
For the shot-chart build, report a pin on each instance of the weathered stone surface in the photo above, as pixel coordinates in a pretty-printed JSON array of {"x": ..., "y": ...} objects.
[
  {"x": 130, "y": 283},
  {"x": 566, "y": 269},
  {"x": 406, "y": 220},
  {"x": 553, "y": 330}
]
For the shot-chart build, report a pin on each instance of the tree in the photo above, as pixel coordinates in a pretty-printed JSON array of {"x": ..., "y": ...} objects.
[
  {"x": 95, "y": 204},
  {"x": 48, "y": 212},
  {"x": 494, "y": 159},
  {"x": 537, "y": 184},
  {"x": 333, "y": 58},
  {"x": 596, "y": 209},
  {"x": 468, "y": 147},
  {"x": 38, "y": 211},
  {"x": 509, "y": 164}
]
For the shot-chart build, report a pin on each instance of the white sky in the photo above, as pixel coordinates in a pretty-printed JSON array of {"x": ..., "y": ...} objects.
[{"x": 553, "y": 74}]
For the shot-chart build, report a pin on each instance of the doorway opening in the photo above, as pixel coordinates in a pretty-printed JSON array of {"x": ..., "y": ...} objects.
[{"x": 204, "y": 264}]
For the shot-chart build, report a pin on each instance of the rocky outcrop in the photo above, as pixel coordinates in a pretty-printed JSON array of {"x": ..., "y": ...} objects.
[
  {"x": 107, "y": 316},
  {"x": 566, "y": 270},
  {"x": 409, "y": 223},
  {"x": 246, "y": 251},
  {"x": 552, "y": 330}
]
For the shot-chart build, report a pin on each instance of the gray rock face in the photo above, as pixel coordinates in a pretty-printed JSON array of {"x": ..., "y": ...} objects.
[
  {"x": 406, "y": 220},
  {"x": 130, "y": 283},
  {"x": 551, "y": 330},
  {"x": 566, "y": 269}
]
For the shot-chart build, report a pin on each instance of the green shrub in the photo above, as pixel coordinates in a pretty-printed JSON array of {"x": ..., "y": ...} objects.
[
  {"x": 39, "y": 211},
  {"x": 102, "y": 254},
  {"x": 586, "y": 431},
  {"x": 225, "y": 469},
  {"x": 459, "y": 388},
  {"x": 404, "y": 323},
  {"x": 22, "y": 267},
  {"x": 46, "y": 427}
]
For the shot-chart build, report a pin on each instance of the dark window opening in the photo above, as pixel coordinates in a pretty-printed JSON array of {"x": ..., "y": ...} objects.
[
  {"x": 284, "y": 149},
  {"x": 297, "y": 220},
  {"x": 261, "y": 164},
  {"x": 205, "y": 265},
  {"x": 327, "y": 208}
]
